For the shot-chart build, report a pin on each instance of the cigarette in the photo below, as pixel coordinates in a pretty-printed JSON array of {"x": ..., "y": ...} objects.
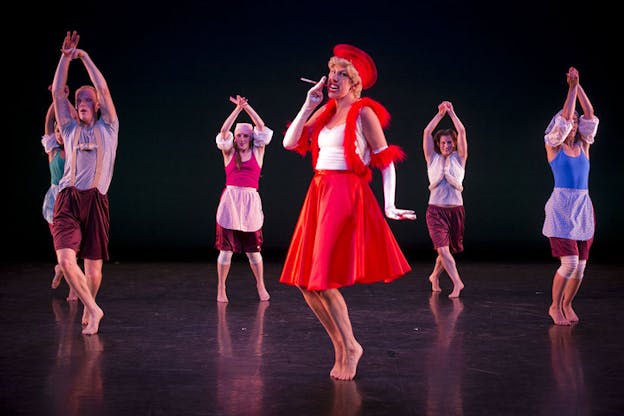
[{"x": 308, "y": 80}]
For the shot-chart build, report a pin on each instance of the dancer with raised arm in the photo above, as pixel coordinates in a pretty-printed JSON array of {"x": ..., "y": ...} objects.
[
  {"x": 81, "y": 215},
  {"x": 570, "y": 219},
  {"x": 341, "y": 237},
  {"x": 446, "y": 153},
  {"x": 239, "y": 214}
]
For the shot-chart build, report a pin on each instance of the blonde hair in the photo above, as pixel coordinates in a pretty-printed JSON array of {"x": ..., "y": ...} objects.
[
  {"x": 356, "y": 81},
  {"x": 96, "y": 102},
  {"x": 85, "y": 88}
]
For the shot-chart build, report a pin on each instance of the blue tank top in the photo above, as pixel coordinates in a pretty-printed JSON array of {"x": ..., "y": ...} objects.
[
  {"x": 57, "y": 166},
  {"x": 570, "y": 172}
]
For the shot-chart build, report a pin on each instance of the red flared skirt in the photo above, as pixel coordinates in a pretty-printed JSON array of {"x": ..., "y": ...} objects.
[{"x": 341, "y": 237}]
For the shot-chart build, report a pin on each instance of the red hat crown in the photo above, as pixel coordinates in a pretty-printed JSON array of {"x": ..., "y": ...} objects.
[{"x": 362, "y": 62}]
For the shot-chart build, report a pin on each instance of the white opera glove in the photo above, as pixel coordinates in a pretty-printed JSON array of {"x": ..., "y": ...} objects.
[
  {"x": 389, "y": 186},
  {"x": 291, "y": 137}
]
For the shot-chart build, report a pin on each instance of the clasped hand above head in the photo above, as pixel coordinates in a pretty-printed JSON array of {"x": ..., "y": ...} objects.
[
  {"x": 239, "y": 101},
  {"x": 70, "y": 43}
]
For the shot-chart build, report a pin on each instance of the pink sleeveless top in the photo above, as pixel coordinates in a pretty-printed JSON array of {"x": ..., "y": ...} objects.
[
  {"x": 240, "y": 207},
  {"x": 247, "y": 176}
]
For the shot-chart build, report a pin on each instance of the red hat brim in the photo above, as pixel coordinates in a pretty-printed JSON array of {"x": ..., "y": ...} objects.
[{"x": 362, "y": 62}]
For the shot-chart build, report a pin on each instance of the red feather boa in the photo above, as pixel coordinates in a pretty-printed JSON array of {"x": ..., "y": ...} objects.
[{"x": 309, "y": 137}]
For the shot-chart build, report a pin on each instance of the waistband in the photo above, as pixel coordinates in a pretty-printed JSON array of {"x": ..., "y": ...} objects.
[
  {"x": 244, "y": 188},
  {"x": 332, "y": 172},
  {"x": 579, "y": 191}
]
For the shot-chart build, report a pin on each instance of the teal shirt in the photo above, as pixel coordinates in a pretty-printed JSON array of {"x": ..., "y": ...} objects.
[{"x": 57, "y": 167}]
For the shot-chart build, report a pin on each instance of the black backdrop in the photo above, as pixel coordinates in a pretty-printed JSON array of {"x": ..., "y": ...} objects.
[{"x": 171, "y": 68}]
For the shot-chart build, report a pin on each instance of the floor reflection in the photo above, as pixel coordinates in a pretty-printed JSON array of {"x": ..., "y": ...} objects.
[
  {"x": 239, "y": 374},
  {"x": 347, "y": 398},
  {"x": 570, "y": 396},
  {"x": 445, "y": 359},
  {"x": 76, "y": 378}
]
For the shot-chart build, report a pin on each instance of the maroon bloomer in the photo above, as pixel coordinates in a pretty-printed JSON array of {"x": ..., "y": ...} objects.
[
  {"x": 238, "y": 241},
  {"x": 446, "y": 226},
  {"x": 81, "y": 222}
]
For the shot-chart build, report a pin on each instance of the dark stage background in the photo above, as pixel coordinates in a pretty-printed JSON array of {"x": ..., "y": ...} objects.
[{"x": 171, "y": 68}]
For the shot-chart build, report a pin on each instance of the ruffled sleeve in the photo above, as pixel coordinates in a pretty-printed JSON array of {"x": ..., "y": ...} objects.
[
  {"x": 262, "y": 137},
  {"x": 587, "y": 128},
  {"x": 49, "y": 143},
  {"x": 557, "y": 130},
  {"x": 227, "y": 143}
]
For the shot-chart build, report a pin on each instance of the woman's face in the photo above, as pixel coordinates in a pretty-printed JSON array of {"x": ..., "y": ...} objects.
[
  {"x": 242, "y": 138},
  {"x": 574, "y": 127},
  {"x": 57, "y": 133},
  {"x": 338, "y": 82},
  {"x": 446, "y": 145}
]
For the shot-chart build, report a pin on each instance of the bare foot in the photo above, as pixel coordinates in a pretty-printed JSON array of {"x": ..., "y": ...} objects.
[
  {"x": 557, "y": 316},
  {"x": 72, "y": 297},
  {"x": 58, "y": 276},
  {"x": 85, "y": 317},
  {"x": 350, "y": 362},
  {"x": 569, "y": 314},
  {"x": 263, "y": 294},
  {"x": 222, "y": 297},
  {"x": 435, "y": 283},
  {"x": 339, "y": 353},
  {"x": 456, "y": 290},
  {"x": 94, "y": 323}
]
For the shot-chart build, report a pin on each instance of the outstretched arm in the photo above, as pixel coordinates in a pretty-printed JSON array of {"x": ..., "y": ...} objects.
[
  {"x": 255, "y": 118},
  {"x": 229, "y": 121},
  {"x": 562, "y": 123},
  {"x": 51, "y": 117},
  {"x": 262, "y": 135},
  {"x": 588, "y": 122},
  {"x": 586, "y": 105},
  {"x": 462, "y": 144},
  {"x": 428, "y": 145},
  {"x": 225, "y": 138},
  {"x": 62, "y": 108},
  {"x": 49, "y": 121},
  {"x": 569, "y": 104},
  {"x": 107, "y": 108}
]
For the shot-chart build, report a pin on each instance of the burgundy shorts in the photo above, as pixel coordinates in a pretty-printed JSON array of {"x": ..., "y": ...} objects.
[
  {"x": 446, "y": 227},
  {"x": 238, "y": 241},
  {"x": 560, "y": 247},
  {"x": 81, "y": 222}
]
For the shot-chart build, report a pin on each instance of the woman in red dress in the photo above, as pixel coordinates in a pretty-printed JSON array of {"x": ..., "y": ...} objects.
[{"x": 341, "y": 237}]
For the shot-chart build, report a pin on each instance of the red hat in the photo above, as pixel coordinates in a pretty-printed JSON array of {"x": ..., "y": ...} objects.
[{"x": 362, "y": 62}]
